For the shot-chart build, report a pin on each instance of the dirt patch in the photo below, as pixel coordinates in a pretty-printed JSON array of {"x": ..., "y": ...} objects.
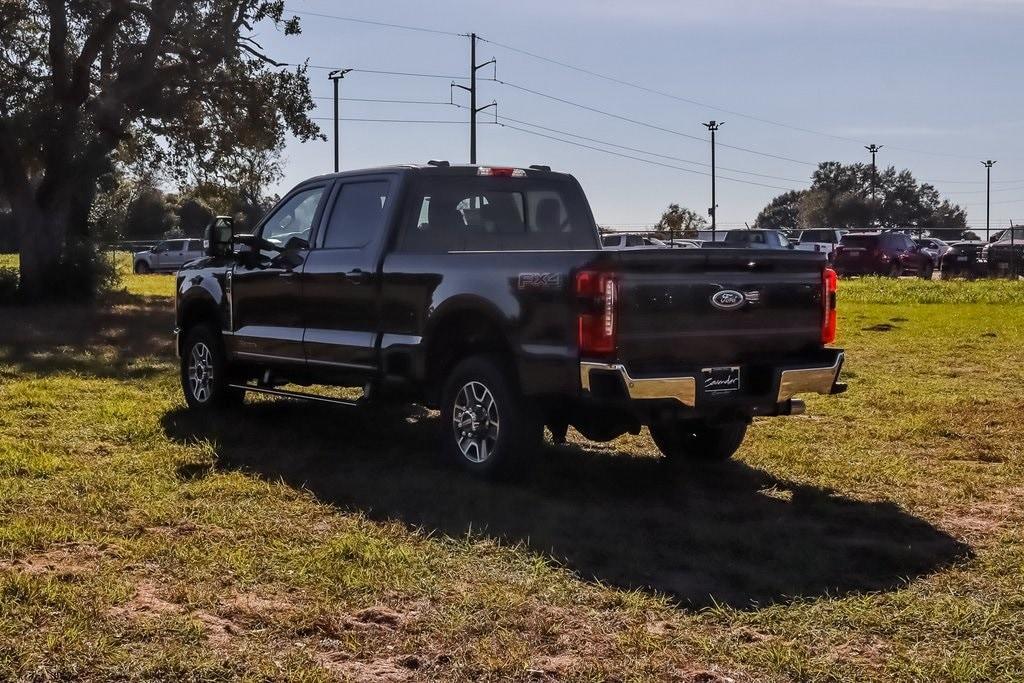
[
  {"x": 391, "y": 670},
  {"x": 144, "y": 602},
  {"x": 68, "y": 561},
  {"x": 552, "y": 666},
  {"x": 707, "y": 676}
]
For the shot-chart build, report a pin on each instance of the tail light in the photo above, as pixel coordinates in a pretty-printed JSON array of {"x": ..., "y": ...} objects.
[
  {"x": 829, "y": 284},
  {"x": 597, "y": 293},
  {"x": 501, "y": 172}
]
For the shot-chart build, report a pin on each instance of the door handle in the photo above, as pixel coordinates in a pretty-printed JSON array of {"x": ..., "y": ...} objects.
[{"x": 356, "y": 276}]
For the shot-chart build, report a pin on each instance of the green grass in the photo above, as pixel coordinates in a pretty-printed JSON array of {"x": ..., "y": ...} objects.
[
  {"x": 878, "y": 537},
  {"x": 881, "y": 290}
]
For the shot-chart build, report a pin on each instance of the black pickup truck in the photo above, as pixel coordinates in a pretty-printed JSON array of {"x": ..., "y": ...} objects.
[{"x": 485, "y": 292}]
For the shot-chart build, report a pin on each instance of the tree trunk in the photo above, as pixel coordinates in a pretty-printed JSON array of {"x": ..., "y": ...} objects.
[{"x": 41, "y": 238}]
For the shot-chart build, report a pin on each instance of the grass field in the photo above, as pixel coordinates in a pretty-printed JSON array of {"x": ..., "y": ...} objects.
[{"x": 878, "y": 537}]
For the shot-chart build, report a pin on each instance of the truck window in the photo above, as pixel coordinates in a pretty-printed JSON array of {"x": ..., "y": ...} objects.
[
  {"x": 294, "y": 218},
  {"x": 492, "y": 214},
  {"x": 358, "y": 214}
]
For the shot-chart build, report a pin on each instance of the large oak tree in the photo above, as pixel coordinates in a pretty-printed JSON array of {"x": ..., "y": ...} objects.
[{"x": 81, "y": 79}]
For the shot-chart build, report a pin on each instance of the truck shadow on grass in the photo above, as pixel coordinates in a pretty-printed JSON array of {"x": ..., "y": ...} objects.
[{"x": 727, "y": 533}]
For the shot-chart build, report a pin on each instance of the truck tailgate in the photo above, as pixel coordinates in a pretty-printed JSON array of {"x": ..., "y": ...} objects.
[{"x": 770, "y": 307}]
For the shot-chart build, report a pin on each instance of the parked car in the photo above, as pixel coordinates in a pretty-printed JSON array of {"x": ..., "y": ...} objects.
[
  {"x": 632, "y": 242},
  {"x": 709, "y": 236},
  {"x": 935, "y": 248},
  {"x": 819, "y": 239},
  {"x": 506, "y": 317},
  {"x": 752, "y": 239},
  {"x": 963, "y": 259},
  {"x": 169, "y": 255},
  {"x": 679, "y": 243},
  {"x": 1005, "y": 253},
  {"x": 881, "y": 253}
]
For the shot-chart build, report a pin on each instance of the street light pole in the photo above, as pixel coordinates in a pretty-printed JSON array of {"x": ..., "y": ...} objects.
[
  {"x": 988, "y": 164},
  {"x": 336, "y": 76},
  {"x": 713, "y": 126},
  {"x": 874, "y": 175}
]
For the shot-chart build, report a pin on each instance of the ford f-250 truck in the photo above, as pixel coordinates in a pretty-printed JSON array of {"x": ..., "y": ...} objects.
[{"x": 485, "y": 292}]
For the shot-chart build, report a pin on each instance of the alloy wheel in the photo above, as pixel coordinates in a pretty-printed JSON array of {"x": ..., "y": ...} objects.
[
  {"x": 200, "y": 372},
  {"x": 475, "y": 421}
]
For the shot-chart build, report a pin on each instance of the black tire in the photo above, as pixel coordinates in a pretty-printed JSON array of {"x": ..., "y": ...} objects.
[
  {"x": 896, "y": 269},
  {"x": 142, "y": 268},
  {"x": 946, "y": 274},
  {"x": 926, "y": 270},
  {"x": 698, "y": 440},
  {"x": 205, "y": 372},
  {"x": 488, "y": 428}
]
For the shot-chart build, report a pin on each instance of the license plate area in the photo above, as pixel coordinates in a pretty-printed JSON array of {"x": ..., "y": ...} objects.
[{"x": 721, "y": 380}]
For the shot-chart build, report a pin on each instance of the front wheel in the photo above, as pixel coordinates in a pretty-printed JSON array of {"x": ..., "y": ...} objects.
[
  {"x": 896, "y": 269},
  {"x": 487, "y": 426},
  {"x": 204, "y": 371},
  {"x": 926, "y": 270},
  {"x": 142, "y": 268},
  {"x": 698, "y": 440}
]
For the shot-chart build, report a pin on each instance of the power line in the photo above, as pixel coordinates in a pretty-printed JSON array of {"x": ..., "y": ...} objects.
[
  {"x": 381, "y": 72},
  {"x": 635, "y": 158},
  {"x": 373, "y": 120},
  {"x": 733, "y": 112},
  {"x": 385, "y": 101},
  {"x": 644, "y": 151},
  {"x": 383, "y": 24},
  {"x": 647, "y": 124}
]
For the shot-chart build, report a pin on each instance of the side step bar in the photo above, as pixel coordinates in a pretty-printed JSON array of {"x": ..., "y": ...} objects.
[{"x": 294, "y": 394}]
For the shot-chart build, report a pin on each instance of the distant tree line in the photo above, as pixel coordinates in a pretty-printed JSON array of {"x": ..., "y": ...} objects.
[{"x": 846, "y": 196}]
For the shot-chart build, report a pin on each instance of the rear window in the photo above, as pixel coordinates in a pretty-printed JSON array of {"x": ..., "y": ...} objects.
[
  {"x": 495, "y": 214},
  {"x": 746, "y": 237},
  {"x": 861, "y": 241},
  {"x": 818, "y": 236}
]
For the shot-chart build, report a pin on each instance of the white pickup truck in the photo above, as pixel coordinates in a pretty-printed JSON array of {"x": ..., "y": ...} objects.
[{"x": 820, "y": 239}]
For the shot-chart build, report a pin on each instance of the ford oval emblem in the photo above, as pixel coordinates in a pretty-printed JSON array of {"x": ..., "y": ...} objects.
[{"x": 727, "y": 299}]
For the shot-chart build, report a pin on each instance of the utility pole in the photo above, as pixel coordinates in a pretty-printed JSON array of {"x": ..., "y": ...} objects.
[
  {"x": 988, "y": 164},
  {"x": 473, "y": 109},
  {"x": 874, "y": 175},
  {"x": 336, "y": 76},
  {"x": 713, "y": 126}
]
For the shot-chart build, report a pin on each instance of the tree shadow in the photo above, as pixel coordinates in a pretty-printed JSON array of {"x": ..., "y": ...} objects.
[
  {"x": 726, "y": 533},
  {"x": 108, "y": 338}
]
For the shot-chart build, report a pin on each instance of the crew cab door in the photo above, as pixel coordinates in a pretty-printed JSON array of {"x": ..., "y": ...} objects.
[
  {"x": 266, "y": 292},
  {"x": 341, "y": 286}
]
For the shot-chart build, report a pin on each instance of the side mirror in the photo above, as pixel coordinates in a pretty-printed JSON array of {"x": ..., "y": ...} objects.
[{"x": 219, "y": 237}]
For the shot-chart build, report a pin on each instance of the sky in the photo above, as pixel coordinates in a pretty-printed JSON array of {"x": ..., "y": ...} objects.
[{"x": 936, "y": 82}]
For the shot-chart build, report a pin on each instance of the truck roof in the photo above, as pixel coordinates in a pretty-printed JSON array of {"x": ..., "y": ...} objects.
[{"x": 441, "y": 168}]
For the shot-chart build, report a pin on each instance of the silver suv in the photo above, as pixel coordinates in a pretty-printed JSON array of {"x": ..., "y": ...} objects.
[{"x": 168, "y": 256}]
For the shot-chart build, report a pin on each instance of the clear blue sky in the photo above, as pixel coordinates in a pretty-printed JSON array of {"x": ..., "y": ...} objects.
[{"x": 938, "y": 82}]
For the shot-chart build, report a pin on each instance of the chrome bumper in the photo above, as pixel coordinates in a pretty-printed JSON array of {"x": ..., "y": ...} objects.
[
  {"x": 793, "y": 381},
  {"x": 682, "y": 389},
  {"x": 809, "y": 380}
]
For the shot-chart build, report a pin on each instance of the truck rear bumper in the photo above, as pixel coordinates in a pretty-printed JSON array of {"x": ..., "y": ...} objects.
[{"x": 813, "y": 377}]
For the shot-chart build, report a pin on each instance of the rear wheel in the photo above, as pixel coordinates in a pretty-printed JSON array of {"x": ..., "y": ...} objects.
[
  {"x": 205, "y": 372},
  {"x": 142, "y": 268},
  {"x": 698, "y": 440},
  {"x": 487, "y": 426},
  {"x": 896, "y": 269},
  {"x": 926, "y": 270}
]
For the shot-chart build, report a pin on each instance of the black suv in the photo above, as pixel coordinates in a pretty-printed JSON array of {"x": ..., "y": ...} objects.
[
  {"x": 485, "y": 292},
  {"x": 881, "y": 253}
]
